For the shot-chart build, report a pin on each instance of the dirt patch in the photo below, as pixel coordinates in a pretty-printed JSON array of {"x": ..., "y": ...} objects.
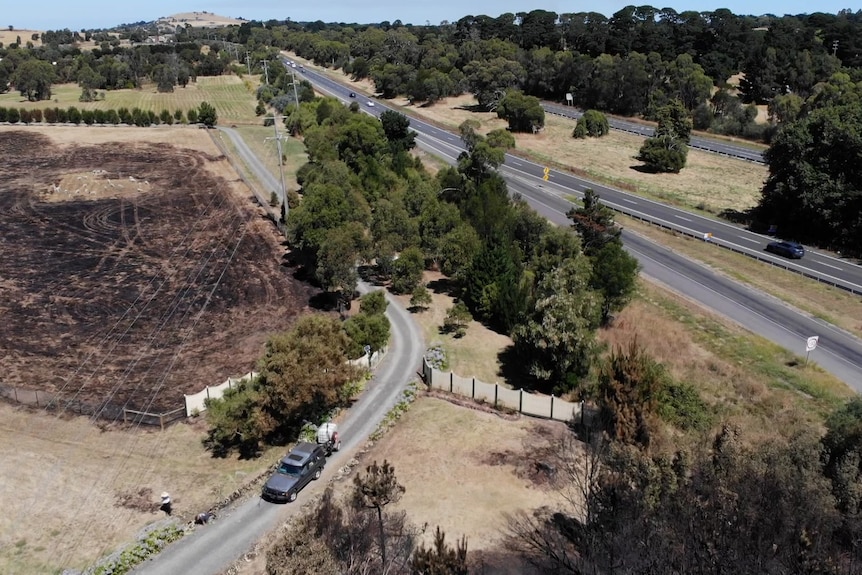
[{"x": 132, "y": 272}]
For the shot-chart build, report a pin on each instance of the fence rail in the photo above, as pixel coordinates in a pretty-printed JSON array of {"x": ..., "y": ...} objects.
[{"x": 546, "y": 406}]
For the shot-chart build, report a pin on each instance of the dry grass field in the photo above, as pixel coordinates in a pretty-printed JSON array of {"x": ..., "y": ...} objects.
[
  {"x": 464, "y": 469},
  {"x": 201, "y": 19},
  {"x": 8, "y": 36},
  {"x": 73, "y": 492},
  {"x": 475, "y": 354},
  {"x": 233, "y": 98}
]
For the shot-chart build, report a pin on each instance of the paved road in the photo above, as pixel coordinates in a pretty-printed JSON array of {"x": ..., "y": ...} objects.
[
  {"x": 816, "y": 265},
  {"x": 706, "y": 144},
  {"x": 838, "y": 352},
  {"x": 212, "y": 548}
]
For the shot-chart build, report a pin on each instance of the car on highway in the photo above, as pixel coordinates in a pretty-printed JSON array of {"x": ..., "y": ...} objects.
[
  {"x": 352, "y": 94},
  {"x": 790, "y": 250},
  {"x": 297, "y": 469},
  {"x": 369, "y": 103}
]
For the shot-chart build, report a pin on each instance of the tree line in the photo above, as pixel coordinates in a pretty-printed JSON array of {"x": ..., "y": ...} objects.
[{"x": 204, "y": 114}]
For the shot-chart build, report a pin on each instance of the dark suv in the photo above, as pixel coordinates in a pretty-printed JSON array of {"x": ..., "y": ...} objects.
[
  {"x": 791, "y": 250},
  {"x": 296, "y": 470}
]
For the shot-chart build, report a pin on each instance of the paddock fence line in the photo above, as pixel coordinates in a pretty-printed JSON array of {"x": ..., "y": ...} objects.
[
  {"x": 537, "y": 405},
  {"x": 107, "y": 411}
]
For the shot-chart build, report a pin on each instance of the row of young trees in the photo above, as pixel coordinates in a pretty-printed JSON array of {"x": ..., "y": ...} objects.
[{"x": 204, "y": 114}]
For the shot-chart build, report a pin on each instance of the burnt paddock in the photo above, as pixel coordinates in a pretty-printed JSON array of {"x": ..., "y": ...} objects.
[{"x": 131, "y": 273}]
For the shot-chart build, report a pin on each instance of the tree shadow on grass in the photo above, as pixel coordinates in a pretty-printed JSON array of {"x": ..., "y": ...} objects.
[
  {"x": 513, "y": 369},
  {"x": 471, "y": 108},
  {"x": 445, "y": 286}
]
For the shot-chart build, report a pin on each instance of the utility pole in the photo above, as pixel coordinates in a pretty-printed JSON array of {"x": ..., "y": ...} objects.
[
  {"x": 248, "y": 62},
  {"x": 265, "y": 70},
  {"x": 277, "y": 139},
  {"x": 834, "y": 47},
  {"x": 295, "y": 97}
]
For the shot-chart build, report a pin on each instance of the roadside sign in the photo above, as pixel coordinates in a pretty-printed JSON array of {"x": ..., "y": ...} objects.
[
  {"x": 810, "y": 346},
  {"x": 547, "y": 173}
]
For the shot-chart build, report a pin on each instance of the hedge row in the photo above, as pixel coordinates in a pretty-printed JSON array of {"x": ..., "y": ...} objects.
[{"x": 73, "y": 115}]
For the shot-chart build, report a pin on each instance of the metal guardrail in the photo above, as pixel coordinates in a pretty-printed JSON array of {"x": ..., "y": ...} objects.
[{"x": 699, "y": 234}]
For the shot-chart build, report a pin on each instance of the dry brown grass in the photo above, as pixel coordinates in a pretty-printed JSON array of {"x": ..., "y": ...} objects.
[
  {"x": 745, "y": 379},
  {"x": 11, "y": 36},
  {"x": 475, "y": 354},
  {"x": 462, "y": 469},
  {"x": 91, "y": 471}
]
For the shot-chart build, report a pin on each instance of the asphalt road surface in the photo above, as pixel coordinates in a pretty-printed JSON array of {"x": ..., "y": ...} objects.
[
  {"x": 213, "y": 547},
  {"x": 817, "y": 265},
  {"x": 838, "y": 352}
]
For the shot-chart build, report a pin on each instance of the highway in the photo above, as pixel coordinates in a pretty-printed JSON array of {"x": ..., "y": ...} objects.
[
  {"x": 838, "y": 352},
  {"x": 706, "y": 144},
  {"x": 816, "y": 264}
]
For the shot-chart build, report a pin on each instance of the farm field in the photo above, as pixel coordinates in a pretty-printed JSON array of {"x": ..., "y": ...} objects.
[
  {"x": 133, "y": 270},
  {"x": 232, "y": 97}
]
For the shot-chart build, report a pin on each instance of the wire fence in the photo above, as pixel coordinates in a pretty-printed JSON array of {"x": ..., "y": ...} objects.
[{"x": 107, "y": 411}]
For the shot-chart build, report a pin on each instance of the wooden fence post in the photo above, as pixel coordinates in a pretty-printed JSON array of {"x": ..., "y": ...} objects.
[
  {"x": 552, "y": 406},
  {"x": 37, "y": 397},
  {"x": 521, "y": 401},
  {"x": 451, "y": 380},
  {"x": 16, "y": 394},
  {"x": 496, "y": 388},
  {"x": 474, "y": 388},
  {"x": 124, "y": 417}
]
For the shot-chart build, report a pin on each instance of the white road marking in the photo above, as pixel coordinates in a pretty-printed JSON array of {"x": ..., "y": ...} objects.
[
  {"x": 629, "y": 201},
  {"x": 682, "y": 218},
  {"x": 831, "y": 266}
]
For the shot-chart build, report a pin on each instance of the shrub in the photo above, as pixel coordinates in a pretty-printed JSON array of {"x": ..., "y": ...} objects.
[
  {"x": 420, "y": 299},
  {"x": 593, "y": 123},
  {"x": 680, "y": 405},
  {"x": 457, "y": 319},
  {"x": 663, "y": 154}
]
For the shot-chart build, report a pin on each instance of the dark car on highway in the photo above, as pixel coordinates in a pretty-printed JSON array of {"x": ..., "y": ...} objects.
[
  {"x": 790, "y": 250},
  {"x": 297, "y": 469}
]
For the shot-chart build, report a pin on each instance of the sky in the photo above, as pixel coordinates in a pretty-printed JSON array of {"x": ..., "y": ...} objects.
[{"x": 59, "y": 14}]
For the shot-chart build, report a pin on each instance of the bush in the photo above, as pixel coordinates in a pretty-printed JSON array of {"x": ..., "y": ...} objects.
[
  {"x": 680, "y": 405},
  {"x": 420, "y": 299},
  {"x": 457, "y": 319},
  {"x": 663, "y": 154},
  {"x": 593, "y": 123}
]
